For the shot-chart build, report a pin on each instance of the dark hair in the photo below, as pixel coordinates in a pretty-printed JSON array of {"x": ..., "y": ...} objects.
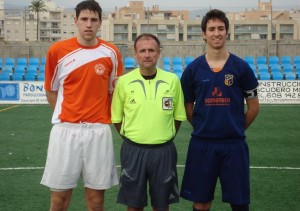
[
  {"x": 91, "y": 5},
  {"x": 212, "y": 15},
  {"x": 151, "y": 36}
]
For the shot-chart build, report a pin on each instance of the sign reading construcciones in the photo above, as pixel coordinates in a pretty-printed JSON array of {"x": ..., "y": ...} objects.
[
  {"x": 279, "y": 92},
  {"x": 269, "y": 92}
]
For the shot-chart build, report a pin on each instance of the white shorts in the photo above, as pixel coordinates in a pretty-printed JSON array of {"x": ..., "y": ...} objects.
[{"x": 80, "y": 150}]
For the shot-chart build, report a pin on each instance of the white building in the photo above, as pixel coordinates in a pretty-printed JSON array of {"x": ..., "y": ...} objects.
[{"x": 126, "y": 23}]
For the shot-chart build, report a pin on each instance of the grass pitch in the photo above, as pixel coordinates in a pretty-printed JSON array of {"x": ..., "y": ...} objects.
[{"x": 274, "y": 143}]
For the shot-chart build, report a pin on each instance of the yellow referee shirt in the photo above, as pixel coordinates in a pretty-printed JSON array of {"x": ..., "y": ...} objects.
[{"x": 148, "y": 108}]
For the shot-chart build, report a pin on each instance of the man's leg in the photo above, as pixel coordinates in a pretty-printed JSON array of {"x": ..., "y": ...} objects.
[
  {"x": 60, "y": 200},
  {"x": 94, "y": 199},
  {"x": 239, "y": 207},
  {"x": 134, "y": 209},
  {"x": 201, "y": 206}
]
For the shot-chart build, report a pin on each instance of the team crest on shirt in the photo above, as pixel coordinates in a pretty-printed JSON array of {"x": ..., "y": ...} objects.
[
  {"x": 228, "y": 79},
  {"x": 99, "y": 69},
  {"x": 167, "y": 103}
]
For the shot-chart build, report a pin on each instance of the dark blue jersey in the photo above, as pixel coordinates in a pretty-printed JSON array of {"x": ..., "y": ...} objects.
[{"x": 219, "y": 98}]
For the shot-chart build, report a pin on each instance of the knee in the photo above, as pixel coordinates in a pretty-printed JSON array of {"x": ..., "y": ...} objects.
[
  {"x": 202, "y": 206},
  {"x": 95, "y": 203},
  {"x": 194, "y": 209},
  {"x": 59, "y": 204},
  {"x": 60, "y": 200}
]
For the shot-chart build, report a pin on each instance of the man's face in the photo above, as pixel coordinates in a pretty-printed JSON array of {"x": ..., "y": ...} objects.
[
  {"x": 88, "y": 23},
  {"x": 147, "y": 53},
  {"x": 215, "y": 34}
]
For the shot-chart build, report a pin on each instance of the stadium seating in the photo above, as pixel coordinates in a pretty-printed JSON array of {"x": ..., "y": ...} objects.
[
  {"x": 167, "y": 67},
  {"x": 273, "y": 60},
  {"x": 285, "y": 60},
  {"x": 187, "y": 60},
  {"x": 32, "y": 68},
  {"x": 296, "y": 60},
  {"x": 287, "y": 68},
  {"x": 21, "y": 61},
  {"x": 297, "y": 72},
  {"x": 43, "y": 60},
  {"x": 275, "y": 68},
  {"x": 17, "y": 77},
  {"x": 249, "y": 59},
  {"x": 167, "y": 64},
  {"x": 256, "y": 75},
  {"x": 40, "y": 77},
  {"x": 30, "y": 76},
  {"x": 261, "y": 60},
  {"x": 262, "y": 68},
  {"x": 277, "y": 76},
  {"x": 129, "y": 63},
  {"x": 268, "y": 68},
  {"x": 5, "y": 77},
  {"x": 20, "y": 69},
  {"x": 9, "y": 61},
  {"x": 264, "y": 76},
  {"x": 176, "y": 61},
  {"x": 7, "y": 69},
  {"x": 177, "y": 69},
  {"x": 253, "y": 67},
  {"x": 34, "y": 61},
  {"x": 290, "y": 76},
  {"x": 41, "y": 68},
  {"x": 166, "y": 61}
]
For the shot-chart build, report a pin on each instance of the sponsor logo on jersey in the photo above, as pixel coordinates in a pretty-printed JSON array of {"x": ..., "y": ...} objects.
[
  {"x": 217, "y": 98},
  {"x": 167, "y": 103},
  {"x": 132, "y": 101},
  {"x": 217, "y": 92},
  {"x": 69, "y": 62},
  {"x": 99, "y": 69}
]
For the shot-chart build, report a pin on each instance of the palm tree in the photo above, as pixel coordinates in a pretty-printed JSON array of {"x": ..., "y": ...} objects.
[{"x": 37, "y": 6}]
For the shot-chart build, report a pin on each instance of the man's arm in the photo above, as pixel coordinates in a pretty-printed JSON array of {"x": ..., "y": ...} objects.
[
  {"x": 189, "y": 108},
  {"x": 177, "y": 125},
  {"x": 52, "y": 98},
  {"x": 118, "y": 126},
  {"x": 252, "y": 111}
]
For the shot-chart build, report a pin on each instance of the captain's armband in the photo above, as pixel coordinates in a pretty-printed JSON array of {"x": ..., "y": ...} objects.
[{"x": 250, "y": 94}]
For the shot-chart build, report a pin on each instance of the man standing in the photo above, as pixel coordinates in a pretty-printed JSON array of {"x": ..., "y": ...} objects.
[
  {"x": 147, "y": 110},
  {"x": 79, "y": 79},
  {"x": 215, "y": 86}
]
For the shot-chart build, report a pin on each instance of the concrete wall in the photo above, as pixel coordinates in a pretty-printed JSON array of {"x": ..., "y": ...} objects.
[{"x": 170, "y": 49}]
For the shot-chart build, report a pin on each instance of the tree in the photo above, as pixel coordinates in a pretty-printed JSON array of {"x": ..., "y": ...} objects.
[{"x": 37, "y": 6}]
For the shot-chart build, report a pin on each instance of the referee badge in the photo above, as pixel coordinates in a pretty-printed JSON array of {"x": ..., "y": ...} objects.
[{"x": 167, "y": 103}]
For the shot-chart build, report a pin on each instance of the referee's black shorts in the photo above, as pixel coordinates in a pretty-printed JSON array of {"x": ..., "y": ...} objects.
[{"x": 154, "y": 163}]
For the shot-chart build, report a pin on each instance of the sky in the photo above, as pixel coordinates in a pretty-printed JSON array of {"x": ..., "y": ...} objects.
[{"x": 178, "y": 4}]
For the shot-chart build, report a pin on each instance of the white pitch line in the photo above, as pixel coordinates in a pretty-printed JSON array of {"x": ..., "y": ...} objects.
[
  {"x": 180, "y": 166},
  {"x": 21, "y": 168},
  {"x": 274, "y": 167}
]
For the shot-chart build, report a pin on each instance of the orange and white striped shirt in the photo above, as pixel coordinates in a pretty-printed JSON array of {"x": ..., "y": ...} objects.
[{"x": 84, "y": 78}]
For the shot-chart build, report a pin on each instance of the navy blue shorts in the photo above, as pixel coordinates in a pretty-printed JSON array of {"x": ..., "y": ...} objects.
[
  {"x": 208, "y": 161},
  {"x": 153, "y": 164}
]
